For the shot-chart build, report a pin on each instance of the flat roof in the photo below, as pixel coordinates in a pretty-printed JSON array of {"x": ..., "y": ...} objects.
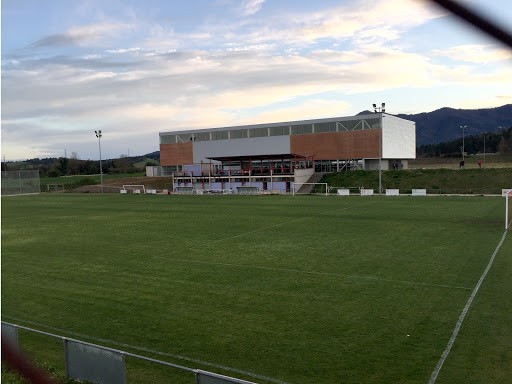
[
  {"x": 279, "y": 124},
  {"x": 284, "y": 156}
]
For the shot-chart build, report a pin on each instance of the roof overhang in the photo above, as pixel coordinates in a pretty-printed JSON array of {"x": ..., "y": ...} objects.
[{"x": 283, "y": 156}]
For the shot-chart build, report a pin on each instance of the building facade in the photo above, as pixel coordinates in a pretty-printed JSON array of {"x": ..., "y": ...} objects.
[{"x": 274, "y": 156}]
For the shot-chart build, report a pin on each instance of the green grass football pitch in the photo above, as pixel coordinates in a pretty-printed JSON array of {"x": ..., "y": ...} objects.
[{"x": 304, "y": 289}]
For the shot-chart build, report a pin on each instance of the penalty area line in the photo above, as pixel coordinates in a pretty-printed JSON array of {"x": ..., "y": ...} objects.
[{"x": 456, "y": 330}]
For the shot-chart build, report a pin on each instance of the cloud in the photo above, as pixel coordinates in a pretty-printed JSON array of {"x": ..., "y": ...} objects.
[
  {"x": 475, "y": 53},
  {"x": 314, "y": 108},
  {"x": 374, "y": 20},
  {"x": 286, "y": 66},
  {"x": 250, "y": 7},
  {"x": 58, "y": 39},
  {"x": 82, "y": 35}
]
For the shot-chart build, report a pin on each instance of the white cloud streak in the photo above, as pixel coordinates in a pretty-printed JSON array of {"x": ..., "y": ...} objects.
[
  {"x": 250, "y": 7},
  {"x": 292, "y": 66}
]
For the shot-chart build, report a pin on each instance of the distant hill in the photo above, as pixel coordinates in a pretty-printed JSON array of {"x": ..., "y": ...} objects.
[
  {"x": 439, "y": 126},
  {"x": 444, "y": 124}
]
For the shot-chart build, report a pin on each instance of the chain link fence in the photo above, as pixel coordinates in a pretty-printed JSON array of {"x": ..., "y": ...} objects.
[{"x": 20, "y": 183}]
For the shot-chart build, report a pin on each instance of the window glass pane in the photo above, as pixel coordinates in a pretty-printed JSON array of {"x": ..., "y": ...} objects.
[
  {"x": 302, "y": 129},
  {"x": 168, "y": 139},
  {"x": 219, "y": 135},
  {"x": 238, "y": 134},
  {"x": 183, "y": 138},
  {"x": 325, "y": 127},
  {"x": 279, "y": 131},
  {"x": 202, "y": 136},
  {"x": 258, "y": 132},
  {"x": 374, "y": 123}
]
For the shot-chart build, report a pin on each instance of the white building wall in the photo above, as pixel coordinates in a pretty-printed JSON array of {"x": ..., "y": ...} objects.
[
  {"x": 398, "y": 138},
  {"x": 273, "y": 145}
]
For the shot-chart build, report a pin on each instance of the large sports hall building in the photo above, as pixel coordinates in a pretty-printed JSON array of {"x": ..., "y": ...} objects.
[{"x": 272, "y": 157}]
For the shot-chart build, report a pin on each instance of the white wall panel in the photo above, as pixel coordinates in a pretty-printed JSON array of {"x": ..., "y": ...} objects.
[
  {"x": 398, "y": 138},
  {"x": 273, "y": 145}
]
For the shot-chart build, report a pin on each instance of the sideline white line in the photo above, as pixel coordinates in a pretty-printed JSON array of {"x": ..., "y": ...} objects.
[
  {"x": 360, "y": 277},
  {"x": 144, "y": 349},
  {"x": 455, "y": 332}
]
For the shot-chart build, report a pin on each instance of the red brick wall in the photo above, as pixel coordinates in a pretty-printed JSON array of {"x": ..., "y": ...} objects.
[
  {"x": 176, "y": 154},
  {"x": 338, "y": 145}
]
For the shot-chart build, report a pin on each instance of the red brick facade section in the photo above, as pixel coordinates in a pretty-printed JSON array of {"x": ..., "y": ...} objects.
[
  {"x": 359, "y": 144},
  {"x": 176, "y": 154}
]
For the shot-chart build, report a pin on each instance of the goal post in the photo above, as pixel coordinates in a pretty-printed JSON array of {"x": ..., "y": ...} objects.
[
  {"x": 508, "y": 209},
  {"x": 135, "y": 188},
  {"x": 309, "y": 188},
  {"x": 54, "y": 187}
]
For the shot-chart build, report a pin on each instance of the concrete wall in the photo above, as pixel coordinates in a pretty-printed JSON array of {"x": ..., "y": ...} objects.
[
  {"x": 153, "y": 171},
  {"x": 273, "y": 145},
  {"x": 373, "y": 165},
  {"x": 399, "y": 138}
]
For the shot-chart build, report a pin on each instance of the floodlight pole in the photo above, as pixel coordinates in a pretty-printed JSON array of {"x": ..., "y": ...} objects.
[
  {"x": 98, "y": 135},
  {"x": 380, "y": 110},
  {"x": 463, "y": 127},
  {"x": 485, "y": 136}
]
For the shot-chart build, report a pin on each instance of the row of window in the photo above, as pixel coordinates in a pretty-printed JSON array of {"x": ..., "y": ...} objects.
[{"x": 299, "y": 129}]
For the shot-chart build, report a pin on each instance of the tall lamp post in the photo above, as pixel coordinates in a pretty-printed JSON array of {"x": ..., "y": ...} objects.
[
  {"x": 463, "y": 127},
  {"x": 98, "y": 135},
  {"x": 380, "y": 110},
  {"x": 485, "y": 136}
]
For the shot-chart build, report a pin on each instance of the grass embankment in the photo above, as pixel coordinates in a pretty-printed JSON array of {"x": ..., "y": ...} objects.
[
  {"x": 68, "y": 183},
  {"x": 491, "y": 160},
  {"x": 442, "y": 181}
]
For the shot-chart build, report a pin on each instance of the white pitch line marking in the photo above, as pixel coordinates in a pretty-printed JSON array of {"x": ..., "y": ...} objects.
[
  {"x": 359, "y": 277},
  {"x": 455, "y": 332},
  {"x": 278, "y": 225}
]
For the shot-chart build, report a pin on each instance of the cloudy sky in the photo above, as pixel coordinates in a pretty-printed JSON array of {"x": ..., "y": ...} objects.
[{"x": 133, "y": 68}]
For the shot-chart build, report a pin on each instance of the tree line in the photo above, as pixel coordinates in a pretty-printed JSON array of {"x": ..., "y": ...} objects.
[
  {"x": 494, "y": 142},
  {"x": 67, "y": 166}
]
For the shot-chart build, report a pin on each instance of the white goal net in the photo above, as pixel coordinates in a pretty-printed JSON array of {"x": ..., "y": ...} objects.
[
  {"x": 508, "y": 209},
  {"x": 137, "y": 189},
  {"x": 309, "y": 188}
]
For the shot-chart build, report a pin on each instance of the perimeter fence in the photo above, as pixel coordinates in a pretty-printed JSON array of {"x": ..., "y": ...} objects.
[
  {"x": 98, "y": 364},
  {"x": 20, "y": 183},
  {"x": 429, "y": 191}
]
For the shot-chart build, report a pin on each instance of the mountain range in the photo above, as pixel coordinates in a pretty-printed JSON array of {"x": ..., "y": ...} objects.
[
  {"x": 444, "y": 124},
  {"x": 439, "y": 126}
]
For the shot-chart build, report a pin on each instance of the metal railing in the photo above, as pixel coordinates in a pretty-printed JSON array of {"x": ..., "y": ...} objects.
[{"x": 104, "y": 365}]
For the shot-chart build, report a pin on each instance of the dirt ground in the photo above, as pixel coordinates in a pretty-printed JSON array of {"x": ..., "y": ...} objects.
[{"x": 115, "y": 185}]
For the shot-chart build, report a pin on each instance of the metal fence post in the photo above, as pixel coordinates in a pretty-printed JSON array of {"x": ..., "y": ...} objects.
[{"x": 10, "y": 334}]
